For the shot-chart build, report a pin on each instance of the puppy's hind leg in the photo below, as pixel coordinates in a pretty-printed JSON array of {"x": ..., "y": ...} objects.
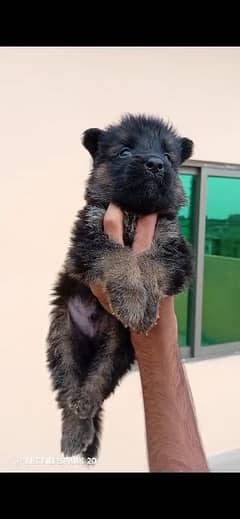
[
  {"x": 68, "y": 356},
  {"x": 77, "y": 434}
]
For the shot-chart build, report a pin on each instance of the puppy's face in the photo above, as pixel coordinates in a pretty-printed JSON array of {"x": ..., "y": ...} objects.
[{"x": 136, "y": 165}]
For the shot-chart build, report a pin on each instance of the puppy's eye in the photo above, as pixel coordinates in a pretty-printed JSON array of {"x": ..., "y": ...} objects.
[
  {"x": 125, "y": 152},
  {"x": 168, "y": 156}
]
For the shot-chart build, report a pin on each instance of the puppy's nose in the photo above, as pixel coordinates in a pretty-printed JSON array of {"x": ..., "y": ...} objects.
[{"x": 154, "y": 164}]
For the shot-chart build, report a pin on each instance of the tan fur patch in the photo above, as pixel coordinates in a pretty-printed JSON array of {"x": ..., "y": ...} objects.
[{"x": 102, "y": 175}]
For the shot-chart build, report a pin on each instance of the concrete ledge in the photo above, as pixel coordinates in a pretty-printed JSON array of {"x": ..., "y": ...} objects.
[{"x": 228, "y": 461}]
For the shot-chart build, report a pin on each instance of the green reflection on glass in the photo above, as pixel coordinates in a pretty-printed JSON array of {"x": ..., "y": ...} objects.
[
  {"x": 221, "y": 288},
  {"x": 185, "y": 220}
]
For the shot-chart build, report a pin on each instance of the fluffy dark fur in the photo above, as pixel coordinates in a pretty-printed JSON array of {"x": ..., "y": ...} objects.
[{"x": 135, "y": 165}]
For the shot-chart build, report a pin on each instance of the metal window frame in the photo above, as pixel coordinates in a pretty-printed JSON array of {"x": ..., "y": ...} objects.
[{"x": 202, "y": 170}]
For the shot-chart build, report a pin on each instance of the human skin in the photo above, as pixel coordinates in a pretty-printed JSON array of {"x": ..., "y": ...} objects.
[{"x": 173, "y": 439}]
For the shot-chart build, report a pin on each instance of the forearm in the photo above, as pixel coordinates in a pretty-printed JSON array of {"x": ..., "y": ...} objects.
[{"x": 172, "y": 435}]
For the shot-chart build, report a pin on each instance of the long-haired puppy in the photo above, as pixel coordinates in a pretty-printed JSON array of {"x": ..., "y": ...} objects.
[{"x": 135, "y": 166}]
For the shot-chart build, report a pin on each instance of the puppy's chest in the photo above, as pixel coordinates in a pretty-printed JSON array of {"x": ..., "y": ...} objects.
[{"x": 129, "y": 228}]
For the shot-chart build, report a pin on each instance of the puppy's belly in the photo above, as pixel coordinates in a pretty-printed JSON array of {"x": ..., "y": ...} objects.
[{"x": 89, "y": 317}]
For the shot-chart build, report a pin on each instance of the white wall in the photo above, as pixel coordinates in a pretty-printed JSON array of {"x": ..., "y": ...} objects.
[{"x": 48, "y": 96}]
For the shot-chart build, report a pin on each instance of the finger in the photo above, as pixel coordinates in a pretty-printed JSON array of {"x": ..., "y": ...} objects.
[
  {"x": 113, "y": 223},
  {"x": 144, "y": 233}
]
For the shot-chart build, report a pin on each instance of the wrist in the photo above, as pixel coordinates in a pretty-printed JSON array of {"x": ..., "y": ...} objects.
[{"x": 162, "y": 338}]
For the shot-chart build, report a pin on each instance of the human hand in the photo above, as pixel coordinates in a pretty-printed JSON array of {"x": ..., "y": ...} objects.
[
  {"x": 113, "y": 227},
  {"x": 166, "y": 325}
]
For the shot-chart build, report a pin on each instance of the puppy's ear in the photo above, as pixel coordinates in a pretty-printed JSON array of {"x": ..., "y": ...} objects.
[
  {"x": 186, "y": 149},
  {"x": 91, "y": 140}
]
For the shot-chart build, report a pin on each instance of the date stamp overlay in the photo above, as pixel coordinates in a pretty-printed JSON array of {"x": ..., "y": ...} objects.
[{"x": 55, "y": 460}]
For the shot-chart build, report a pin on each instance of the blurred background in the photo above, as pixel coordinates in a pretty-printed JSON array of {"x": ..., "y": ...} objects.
[{"x": 49, "y": 96}]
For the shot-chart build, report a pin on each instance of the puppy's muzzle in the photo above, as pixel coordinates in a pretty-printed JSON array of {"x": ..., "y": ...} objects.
[{"x": 154, "y": 165}]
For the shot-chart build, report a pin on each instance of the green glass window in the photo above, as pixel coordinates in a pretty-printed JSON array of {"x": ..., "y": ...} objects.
[
  {"x": 221, "y": 285},
  {"x": 185, "y": 220}
]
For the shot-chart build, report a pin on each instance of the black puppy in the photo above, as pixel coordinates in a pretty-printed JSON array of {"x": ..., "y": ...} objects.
[{"x": 135, "y": 165}]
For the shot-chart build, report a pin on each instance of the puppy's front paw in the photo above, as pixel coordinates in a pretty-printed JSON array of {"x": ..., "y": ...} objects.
[
  {"x": 151, "y": 315},
  {"x": 128, "y": 303},
  {"x": 153, "y": 285}
]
